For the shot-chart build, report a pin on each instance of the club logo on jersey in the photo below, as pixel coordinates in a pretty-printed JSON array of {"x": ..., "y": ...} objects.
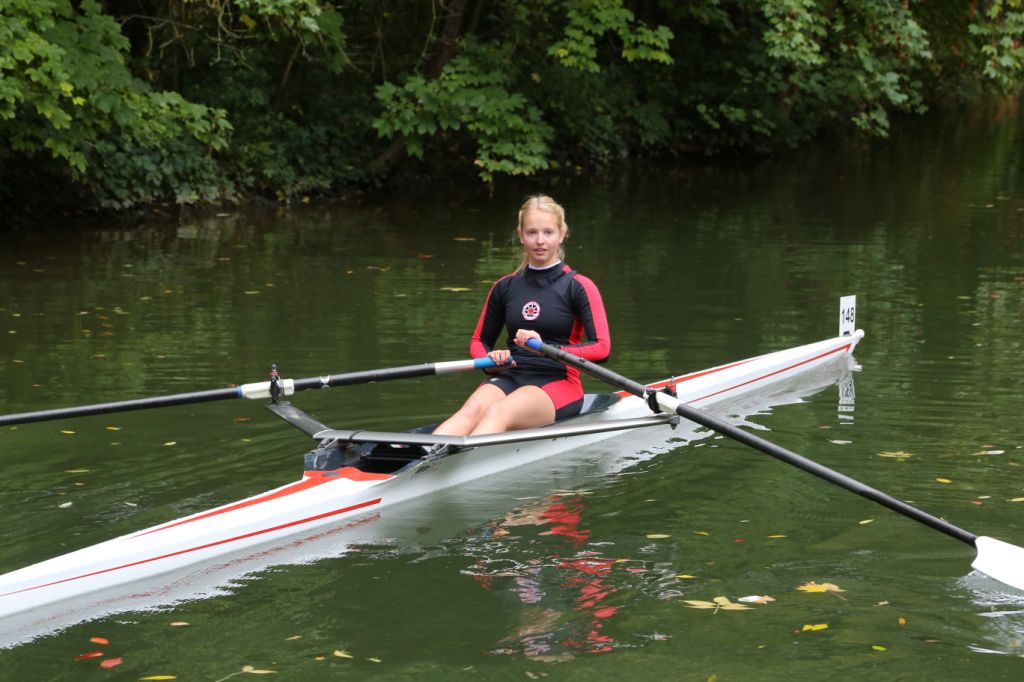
[{"x": 531, "y": 311}]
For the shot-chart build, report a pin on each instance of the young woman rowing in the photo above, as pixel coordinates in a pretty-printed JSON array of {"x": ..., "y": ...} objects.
[{"x": 543, "y": 299}]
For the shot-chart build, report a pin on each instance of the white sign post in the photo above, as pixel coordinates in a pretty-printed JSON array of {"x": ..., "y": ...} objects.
[{"x": 847, "y": 315}]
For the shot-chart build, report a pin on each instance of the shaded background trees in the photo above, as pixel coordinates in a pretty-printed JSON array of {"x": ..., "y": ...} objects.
[{"x": 130, "y": 102}]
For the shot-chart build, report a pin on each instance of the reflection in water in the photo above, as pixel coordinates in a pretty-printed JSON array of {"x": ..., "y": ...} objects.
[
  {"x": 1003, "y": 608},
  {"x": 566, "y": 594}
]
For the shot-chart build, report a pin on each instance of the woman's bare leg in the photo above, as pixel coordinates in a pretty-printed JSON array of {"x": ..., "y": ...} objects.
[
  {"x": 472, "y": 411},
  {"x": 523, "y": 408}
]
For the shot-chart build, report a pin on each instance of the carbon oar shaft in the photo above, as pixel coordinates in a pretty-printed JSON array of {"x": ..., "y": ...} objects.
[
  {"x": 670, "y": 403},
  {"x": 256, "y": 390}
]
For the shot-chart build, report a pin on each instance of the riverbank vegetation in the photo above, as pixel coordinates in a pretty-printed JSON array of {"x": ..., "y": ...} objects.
[{"x": 117, "y": 104}]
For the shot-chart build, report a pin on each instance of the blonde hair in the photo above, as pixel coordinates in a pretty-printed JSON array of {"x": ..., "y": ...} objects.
[{"x": 542, "y": 202}]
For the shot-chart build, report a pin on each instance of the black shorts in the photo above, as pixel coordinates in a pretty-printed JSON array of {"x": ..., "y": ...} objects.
[{"x": 566, "y": 393}]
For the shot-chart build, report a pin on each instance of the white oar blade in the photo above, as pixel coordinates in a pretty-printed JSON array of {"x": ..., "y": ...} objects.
[{"x": 1000, "y": 560}]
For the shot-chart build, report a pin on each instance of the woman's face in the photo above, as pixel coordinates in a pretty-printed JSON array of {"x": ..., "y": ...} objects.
[{"x": 541, "y": 237}]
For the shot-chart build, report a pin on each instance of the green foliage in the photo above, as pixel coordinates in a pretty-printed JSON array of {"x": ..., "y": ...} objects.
[
  {"x": 999, "y": 28},
  {"x": 511, "y": 114},
  {"x": 199, "y": 101},
  {"x": 590, "y": 20},
  {"x": 808, "y": 69},
  {"x": 472, "y": 93},
  {"x": 66, "y": 94}
]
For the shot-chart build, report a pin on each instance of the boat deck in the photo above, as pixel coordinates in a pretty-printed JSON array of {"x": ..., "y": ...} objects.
[{"x": 387, "y": 458}]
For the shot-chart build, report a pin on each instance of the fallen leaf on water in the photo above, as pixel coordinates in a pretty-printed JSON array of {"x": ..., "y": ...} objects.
[
  {"x": 718, "y": 603},
  {"x": 815, "y": 627},
  {"x": 454, "y": 288},
  {"x": 776, "y": 536},
  {"x": 99, "y": 640},
  {"x": 374, "y": 659},
  {"x": 657, "y": 536},
  {"x": 895, "y": 454},
  {"x": 113, "y": 428},
  {"x": 341, "y": 653},
  {"x": 820, "y": 587},
  {"x": 686, "y": 576},
  {"x": 171, "y": 442},
  {"x": 293, "y": 638},
  {"x": 756, "y": 599},
  {"x": 1016, "y": 499},
  {"x": 879, "y": 647},
  {"x": 866, "y": 522},
  {"x": 111, "y": 662},
  {"x": 65, "y": 505},
  {"x": 159, "y": 677},
  {"x": 179, "y": 624},
  {"x": 701, "y": 532},
  {"x": 76, "y": 471},
  {"x": 901, "y": 620},
  {"x": 256, "y": 671},
  {"x": 91, "y": 654},
  {"x": 944, "y": 481},
  {"x": 67, "y": 432},
  {"x": 840, "y": 442}
]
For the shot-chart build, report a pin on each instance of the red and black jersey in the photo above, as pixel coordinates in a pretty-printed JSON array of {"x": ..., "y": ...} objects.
[{"x": 560, "y": 304}]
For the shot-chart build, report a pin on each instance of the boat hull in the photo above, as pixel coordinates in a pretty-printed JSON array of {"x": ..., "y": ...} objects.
[{"x": 326, "y": 502}]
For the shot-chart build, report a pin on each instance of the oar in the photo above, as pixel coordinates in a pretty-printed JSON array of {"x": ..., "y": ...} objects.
[
  {"x": 264, "y": 389},
  {"x": 997, "y": 559}
]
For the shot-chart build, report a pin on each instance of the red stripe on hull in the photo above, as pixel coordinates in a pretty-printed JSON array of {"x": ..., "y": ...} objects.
[
  {"x": 291, "y": 524},
  {"x": 691, "y": 377},
  {"x": 310, "y": 479},
  {"x": 771, "y": 374}
]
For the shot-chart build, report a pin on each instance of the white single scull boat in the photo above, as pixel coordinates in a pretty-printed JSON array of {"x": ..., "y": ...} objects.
[{"x": 351, "y": 474}]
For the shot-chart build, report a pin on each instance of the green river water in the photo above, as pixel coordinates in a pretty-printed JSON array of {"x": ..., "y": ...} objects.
[{"x": 569, "y": 570}]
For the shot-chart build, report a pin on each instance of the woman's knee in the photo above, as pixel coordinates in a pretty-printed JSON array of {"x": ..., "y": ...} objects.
[
  {"x": 494, "y": 415},
  {"x": 474, "y": 412}
]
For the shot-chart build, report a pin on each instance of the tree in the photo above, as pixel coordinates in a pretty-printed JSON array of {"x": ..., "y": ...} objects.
[
  {"x": 70, "y": 107},
  {"x": 199, "y": 101}
]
